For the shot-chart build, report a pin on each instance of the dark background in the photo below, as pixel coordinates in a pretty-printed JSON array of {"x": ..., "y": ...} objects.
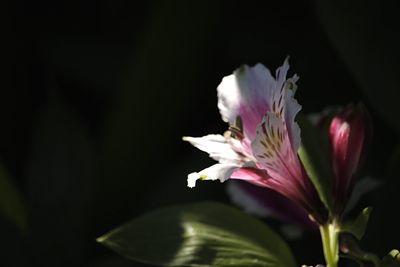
[{"x": 97, "y": 94}]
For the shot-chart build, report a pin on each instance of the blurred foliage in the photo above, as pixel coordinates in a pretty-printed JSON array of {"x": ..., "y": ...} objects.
[
  {"x": 358, "y": 226},
  {"x": 12, "y": 203},
  {"x": 202, "y": 234},
  {"x": 392, "y": 259},
  {"x": 97, "y": 95}
]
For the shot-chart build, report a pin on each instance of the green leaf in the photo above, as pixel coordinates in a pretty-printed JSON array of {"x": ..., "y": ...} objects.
[
  {"x": 359, "y": 225},
  {"x": 314, "y": 154},
  {"x": 12, "y": 204},
  {"x": 204, "y": 234},
  {"x": 395, "y": 254},
  {"x": 392, "y": 259}
]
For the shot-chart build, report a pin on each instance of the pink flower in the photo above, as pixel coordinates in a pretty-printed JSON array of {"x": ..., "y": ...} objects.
[
  {"x": 263, "y": 138},
  {"x": 348, "y": 133}
]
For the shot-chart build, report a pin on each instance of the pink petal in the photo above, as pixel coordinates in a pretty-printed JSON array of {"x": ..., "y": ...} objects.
[
  {"x": 273, "y": 151},
  {"x": 251, "y": 92},
  {"x": 251, "y": 175},
  {"x": 348, "y": 133},
  {"x": 275, "y": 155}
]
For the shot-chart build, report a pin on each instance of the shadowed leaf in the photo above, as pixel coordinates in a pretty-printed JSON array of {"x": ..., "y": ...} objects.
[
  {"x": 12, "y": 204},
  {"x": 359, "y": 225},
  {"x": 313, "y": 153},
  {"x": 206, "y": 234},
  {"x": 392, "y": 259}
]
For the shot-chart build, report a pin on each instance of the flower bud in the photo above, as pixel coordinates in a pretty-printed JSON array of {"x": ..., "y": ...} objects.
[{"x": 348, "y": 134}]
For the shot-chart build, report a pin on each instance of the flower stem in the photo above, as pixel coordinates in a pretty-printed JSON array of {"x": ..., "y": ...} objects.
[{"x": 330, "y": 243}]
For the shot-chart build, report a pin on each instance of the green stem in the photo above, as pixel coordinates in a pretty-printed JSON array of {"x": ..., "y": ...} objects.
[{"x": 330, "y": 243}]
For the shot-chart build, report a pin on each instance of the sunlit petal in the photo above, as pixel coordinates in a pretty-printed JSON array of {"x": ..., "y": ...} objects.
[
  {"x": 217, "y": 147},
  {"x": 220, "y": 172}
]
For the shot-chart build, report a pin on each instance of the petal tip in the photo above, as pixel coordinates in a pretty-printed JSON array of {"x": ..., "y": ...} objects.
[
  {"x": 186, "y": 138},
  {"x": 192, "y": 178},
  {"x": 286, "y": 61}
]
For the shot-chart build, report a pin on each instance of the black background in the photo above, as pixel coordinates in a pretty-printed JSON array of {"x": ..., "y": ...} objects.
[{"x": 97, "y": 94}]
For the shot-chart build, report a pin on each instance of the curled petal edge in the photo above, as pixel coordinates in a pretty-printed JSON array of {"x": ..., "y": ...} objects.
[{"x": 221, "y": 172}]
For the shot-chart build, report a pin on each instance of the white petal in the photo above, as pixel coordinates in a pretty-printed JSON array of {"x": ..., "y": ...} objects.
[
  {"x": 247, "y": 94},
  {"x": 285, "y": 105},
  {"x": 281, "y": 73},
  {"x": 217, "y": 147},
  {"x": 252, "y": 91},
  {"x": 220, "y": 172},
  {"x": 228, "y": 98},
  {"x": 245, "y": 85},
  {"x": 292, "y": 108}
]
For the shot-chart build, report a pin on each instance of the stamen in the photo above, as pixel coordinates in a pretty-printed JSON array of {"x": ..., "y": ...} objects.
[
  {"x": 290, "y": 85},
  {"x": 236, "y": 130}
]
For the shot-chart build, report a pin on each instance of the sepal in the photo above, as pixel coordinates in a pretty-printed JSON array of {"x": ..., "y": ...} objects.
[{"x": 358, "y": 226}]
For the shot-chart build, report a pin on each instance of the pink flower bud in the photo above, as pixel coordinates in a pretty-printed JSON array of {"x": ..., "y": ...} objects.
[{"x": 348, "y": 134}]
